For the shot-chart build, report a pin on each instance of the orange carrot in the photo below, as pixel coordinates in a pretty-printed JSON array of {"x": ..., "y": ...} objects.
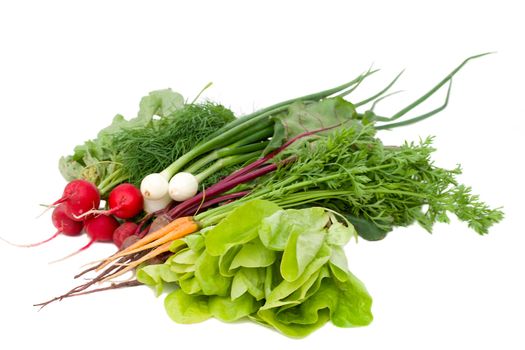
[
  {"x": 180, "y": 231},
  {"x": 159, "y": 233},
  {"x": 147, "y": 239},
  {"x": 157, "y": 251}
]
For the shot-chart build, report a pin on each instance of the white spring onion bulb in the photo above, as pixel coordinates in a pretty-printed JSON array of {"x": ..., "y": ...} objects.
[
  {"x": 154, "y": 186},
  {"x": 153, "y": 205},
  {"x": 183, "y": 186}
]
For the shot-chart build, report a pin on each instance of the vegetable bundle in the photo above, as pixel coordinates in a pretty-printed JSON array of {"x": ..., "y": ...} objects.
[{"x": 248, "y": 217}]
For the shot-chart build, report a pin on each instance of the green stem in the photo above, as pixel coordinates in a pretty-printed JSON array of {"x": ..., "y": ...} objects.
[
  {"x": 380, "y": 93},
  {"x": 225, "y": 152},
  {"x": 308, "y": 197},
  {"x": 192, "y": 169},
  {"x": 228, "y": 137},
  {"x": 259, "y": 193},
  {"x": 200, "y": 92},
  {"x": 215, "y": 215},
  {"x": 256, "y": 135},
  {"x": 419, "y": 118},
  {"x": 304, "y": 184},
  {"x": 287, "y": 187},
  {"x": 358, "y": 82},
  {"x": 403, "y": 193},
  {"x": 109, "y": 178},
  {"x": 109, "y": 186},
  {"x": 284, "y": 104},
  {"x": 225, "y": 162},
  {"x": 435, "y": 88}
]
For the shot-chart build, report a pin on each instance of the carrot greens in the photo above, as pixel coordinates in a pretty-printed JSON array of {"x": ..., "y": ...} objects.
[{"x": 373, "y": 185}]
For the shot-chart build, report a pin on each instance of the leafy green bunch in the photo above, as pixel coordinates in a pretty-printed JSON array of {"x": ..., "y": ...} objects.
[
  {"x": 127, "y": 150},
  {"x": 376, "y": 187},
  {"x": 282, "y": 268}
]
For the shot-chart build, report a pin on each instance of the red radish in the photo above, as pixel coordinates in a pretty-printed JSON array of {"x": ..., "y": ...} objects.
[
  {"x": 80, "y": 197},
  {"x": 123, "y": 232},
  {"x": 62, "y": 222},
  {"x": 100, "y": 229},
  {"x": 125, "y": 201}
]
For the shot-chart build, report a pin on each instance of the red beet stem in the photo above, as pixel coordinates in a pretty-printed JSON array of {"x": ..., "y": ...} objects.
[
  {"x": 218, "y": 188},
  {"x": 142, "y": 222},
  {"x": 144, "y": 231},
  {"x": 272, "y": 154},
  {"x": 208, "y": 203}
]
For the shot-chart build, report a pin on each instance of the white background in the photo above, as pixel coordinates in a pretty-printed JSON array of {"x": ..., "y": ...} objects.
[{"x": 67, "y": 67}]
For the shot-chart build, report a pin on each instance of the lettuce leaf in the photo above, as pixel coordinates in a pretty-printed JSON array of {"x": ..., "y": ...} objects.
[
  {"x": 282, "y": 268},
  {"x": 240, "y": 226},
  {"x": 187, "y": 308}
]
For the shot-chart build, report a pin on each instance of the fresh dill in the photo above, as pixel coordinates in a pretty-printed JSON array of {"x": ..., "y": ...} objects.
[{"x": 152, "y": 148}]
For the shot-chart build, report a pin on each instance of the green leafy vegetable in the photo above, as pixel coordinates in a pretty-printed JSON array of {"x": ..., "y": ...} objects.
[
  {"x": 187, "y": 308},
  {"x": 151, "y": 149},
  {"x": 228, "y": 309},
  {"x": 303, "y": 117},
  {"x": 239, "y": 227},
  {"x": 377, "y": 187},
  {"x": 295, "y": 279},
  {"x": 276, "y": 229},
  {"x": 128, "y": 150}
]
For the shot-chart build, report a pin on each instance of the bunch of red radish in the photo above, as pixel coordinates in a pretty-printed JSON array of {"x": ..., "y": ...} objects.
[{"x": 78, "y": 210}]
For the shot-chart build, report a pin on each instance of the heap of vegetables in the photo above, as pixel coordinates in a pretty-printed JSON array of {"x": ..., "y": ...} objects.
[{"x": 248, "y": 217}]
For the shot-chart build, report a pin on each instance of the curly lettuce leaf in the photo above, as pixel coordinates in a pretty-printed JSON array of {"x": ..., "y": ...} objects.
[
  {"x": 187, "y": 308},
  {"x": 292, "y": 281},
  {"x": 248, "y": 280},
  {"x": 349, "y": 304},
  {"x": 276, "y": 229},
  {"x": 239, "y": 227},
  {"x": 208, "y": 276},
  {"x": 229, "y": 310},
  {"x": 253, "y": 254},
  {"x": 156, "y": 276}
]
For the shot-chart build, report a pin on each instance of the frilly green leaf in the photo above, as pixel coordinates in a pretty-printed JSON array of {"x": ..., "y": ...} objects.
[{"x": 282, "y": 268}]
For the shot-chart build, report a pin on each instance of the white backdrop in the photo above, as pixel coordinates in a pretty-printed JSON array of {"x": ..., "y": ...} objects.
[{"x": 67, "y": 67}]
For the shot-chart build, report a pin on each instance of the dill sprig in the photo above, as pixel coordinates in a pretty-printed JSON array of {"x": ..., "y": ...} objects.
[{"x": 150, "y": 149}]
